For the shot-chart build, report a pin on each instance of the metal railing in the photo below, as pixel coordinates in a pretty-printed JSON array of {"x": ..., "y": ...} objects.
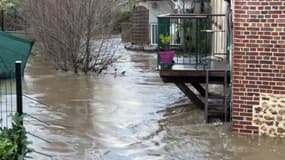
[{"x": 196, "y": 38}]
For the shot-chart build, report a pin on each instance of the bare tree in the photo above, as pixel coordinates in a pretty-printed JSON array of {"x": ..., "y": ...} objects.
[{"x": 73, "y": 32}]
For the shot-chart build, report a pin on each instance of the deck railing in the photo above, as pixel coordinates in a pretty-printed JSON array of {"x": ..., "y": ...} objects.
[{"x": 196, "y": 38}]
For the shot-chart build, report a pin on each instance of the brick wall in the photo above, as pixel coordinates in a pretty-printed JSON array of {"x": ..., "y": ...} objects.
[
  {"x": 140, "y": 25},
  {"x": 258, "y": 60}
]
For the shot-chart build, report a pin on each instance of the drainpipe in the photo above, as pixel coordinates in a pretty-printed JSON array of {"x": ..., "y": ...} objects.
[{"x": 230, "y": 48}]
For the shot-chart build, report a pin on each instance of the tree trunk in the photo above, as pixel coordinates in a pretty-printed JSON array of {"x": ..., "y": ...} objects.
[
  {"x": 88, "y": 37},
  {"x": 87, "y": 49}
]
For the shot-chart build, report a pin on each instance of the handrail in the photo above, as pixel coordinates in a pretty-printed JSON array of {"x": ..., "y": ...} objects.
[{"x": 189, "y": 16}]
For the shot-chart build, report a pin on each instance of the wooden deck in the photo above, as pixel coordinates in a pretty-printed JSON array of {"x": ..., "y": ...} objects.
[{"x": 195, "y": 75}]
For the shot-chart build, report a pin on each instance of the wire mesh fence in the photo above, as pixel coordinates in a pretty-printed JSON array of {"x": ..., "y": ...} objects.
[
  {"x": 8, "y": 100},
  {"x": 12, "y": 49}
]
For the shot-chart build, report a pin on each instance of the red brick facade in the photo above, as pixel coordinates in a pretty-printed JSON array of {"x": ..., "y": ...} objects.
[{"x": 258, "y": 58}]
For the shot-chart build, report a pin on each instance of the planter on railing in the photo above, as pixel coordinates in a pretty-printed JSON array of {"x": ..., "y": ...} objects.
[{"x": 166, "y": 59}]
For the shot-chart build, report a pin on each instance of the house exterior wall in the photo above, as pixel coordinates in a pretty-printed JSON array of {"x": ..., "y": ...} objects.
[
  {"x": 156, "y": 8},
  {"x": 259, "y": 67},
  {"x": 219, "y": 41},
  {"x": 162, "y": 7}
]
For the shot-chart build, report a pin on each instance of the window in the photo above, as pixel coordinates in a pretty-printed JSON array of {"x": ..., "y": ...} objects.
[{"x": 153, "y": 34}]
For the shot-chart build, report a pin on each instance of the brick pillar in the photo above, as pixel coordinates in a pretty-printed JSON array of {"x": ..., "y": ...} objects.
[{"x": 259, "y": 67}]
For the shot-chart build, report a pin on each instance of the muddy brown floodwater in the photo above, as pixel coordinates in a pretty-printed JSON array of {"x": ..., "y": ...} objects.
[{"x": 129, "y": 117}]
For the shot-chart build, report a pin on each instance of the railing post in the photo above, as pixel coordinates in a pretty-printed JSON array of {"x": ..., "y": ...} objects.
[{"x": 19, "y": 88}]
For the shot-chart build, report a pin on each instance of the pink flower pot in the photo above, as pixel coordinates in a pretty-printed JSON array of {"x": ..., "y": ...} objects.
[{"x": 166, "y": 57}]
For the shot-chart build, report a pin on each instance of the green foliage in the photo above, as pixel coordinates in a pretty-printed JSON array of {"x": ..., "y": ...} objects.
[
  {"x": 6, "y": 4},
  {"x": 205, "y": 44},
  {"x": 123, "y": 16},
  {"x": 189, "y": 35},
  {"x": 165, "y": 41},
  {"x": 120, "y": 16},
  {"x": 13, "y": 141},
  {"x": 6, "y": 149},
  {"x": 195, "y": 41}
]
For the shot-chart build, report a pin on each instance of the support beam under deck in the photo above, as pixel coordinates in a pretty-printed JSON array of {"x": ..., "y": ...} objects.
[
  {"x": 199, "y": 88},
  {"x": 192, "y": 96}
]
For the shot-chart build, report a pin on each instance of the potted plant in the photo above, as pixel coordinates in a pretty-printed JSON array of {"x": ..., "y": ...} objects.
[{"x": 166, "y": 55}]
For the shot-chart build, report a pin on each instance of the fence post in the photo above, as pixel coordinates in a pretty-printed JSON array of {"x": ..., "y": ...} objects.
[
  {"x": 19, "y": 88},
  {"x": 2, "y": 20}
]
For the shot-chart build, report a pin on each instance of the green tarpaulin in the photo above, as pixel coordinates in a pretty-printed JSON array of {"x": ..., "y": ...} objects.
[{"x": 13, "y": 49}]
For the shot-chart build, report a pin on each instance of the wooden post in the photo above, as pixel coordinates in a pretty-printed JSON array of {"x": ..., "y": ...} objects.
[
  {"x": 226, "y": 96},
  {"x": 207, "y": 96}
]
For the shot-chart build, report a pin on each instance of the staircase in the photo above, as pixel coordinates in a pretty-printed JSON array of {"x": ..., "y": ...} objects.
[{"x": 217, "y": 106}]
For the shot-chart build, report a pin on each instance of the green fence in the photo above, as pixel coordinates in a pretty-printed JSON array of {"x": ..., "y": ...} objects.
[{"x": 12, "y": 49}]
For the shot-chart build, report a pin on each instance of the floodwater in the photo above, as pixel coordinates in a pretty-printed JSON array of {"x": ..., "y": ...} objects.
[{"x": 126, "y": 117}]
